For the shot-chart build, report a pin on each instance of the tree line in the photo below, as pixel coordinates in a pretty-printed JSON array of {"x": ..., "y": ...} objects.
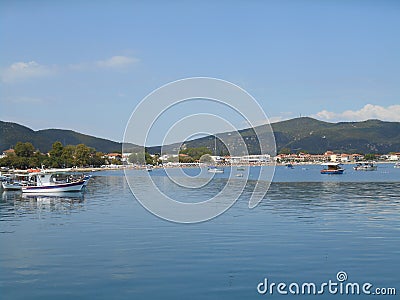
[
  {"x": 189, "y": 155},
  {"x": 26, "y": 156}
]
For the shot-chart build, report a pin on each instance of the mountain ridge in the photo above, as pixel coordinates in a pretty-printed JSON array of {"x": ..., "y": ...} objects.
[{"x": 298, "y": 134}]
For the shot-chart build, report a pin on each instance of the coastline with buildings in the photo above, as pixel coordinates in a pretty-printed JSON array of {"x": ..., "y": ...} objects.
[{"x": 117, "y": 161}]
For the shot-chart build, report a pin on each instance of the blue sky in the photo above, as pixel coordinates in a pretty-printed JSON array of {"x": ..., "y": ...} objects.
[{"x": 85, "y": 66}]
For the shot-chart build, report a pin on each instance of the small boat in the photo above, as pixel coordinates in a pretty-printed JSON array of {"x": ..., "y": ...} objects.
[
  {"x": 86, "y": 179},
  {"x": 397, "y": 165},
  {"x": 289, "y": 166},
  {"x": 11, "y": 186},
  {"x": 54, "y": 182},
  {"x": 149, "y": 168},
  {"x": 239, "y": 175},
  {"x": 241, "y": 169},
  {"x": 215, "y": 170},
  {"x": 367, "y": 166},
  {"x": 332, "y": 168}
]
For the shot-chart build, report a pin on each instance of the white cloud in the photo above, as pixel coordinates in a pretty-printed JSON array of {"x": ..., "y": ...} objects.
[
  {"x": 116, "y": 62},
  {"x": 369, "y": 111},
  {"x": 23, "y": 70}
]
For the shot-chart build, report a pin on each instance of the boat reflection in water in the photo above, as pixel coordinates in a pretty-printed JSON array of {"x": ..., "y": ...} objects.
[{"x": 33, "y": 203}]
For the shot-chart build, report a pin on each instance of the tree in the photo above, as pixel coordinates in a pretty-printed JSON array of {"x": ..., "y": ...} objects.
[
  {"x": 137, "y": 158},
  {"x": 196, "y": 153},
  {"x": 24, "y": 149},
  {"x": 82, "y": 155},
  {"x": 55, "y": 154},
  {"x": 56, "y": 150},
  {"x": 97, "y": 159},
  {"x": 369, "y": 156},
  {"x": 67, "y": 156},
  {"x": 149, "y": 159},
  {"x": 206, "y": 158}
]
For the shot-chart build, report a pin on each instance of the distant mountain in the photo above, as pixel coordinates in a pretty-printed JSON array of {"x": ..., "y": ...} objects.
[
  {"x": 371, "y": 136},
  {"x": 299, "y": 134},
  {"x": 314, "y": 136},
  {"x": 11, "y": 133}
]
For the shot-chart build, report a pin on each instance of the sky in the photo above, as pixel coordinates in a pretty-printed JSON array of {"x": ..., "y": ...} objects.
[{"x": 86, "y": 65}]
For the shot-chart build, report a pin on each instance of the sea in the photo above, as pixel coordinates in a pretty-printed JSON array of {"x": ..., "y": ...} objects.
[{"x": 335, "y": 232}]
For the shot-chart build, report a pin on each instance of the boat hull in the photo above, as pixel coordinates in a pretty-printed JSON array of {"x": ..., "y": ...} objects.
[
  {"x": 365, "y": 168},
  {"x": 57, "y": 188},
  {"x": 11, "y": 186},
  {"x": 332, "y": 172},
  {"x": 216, "y": 171}
]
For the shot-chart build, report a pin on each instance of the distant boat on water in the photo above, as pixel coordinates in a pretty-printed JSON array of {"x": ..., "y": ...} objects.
[
  {"x": 397, "y": 165},
  {"x": 366, "y": 166},
  {"x": 215, "y": 170},
  {"x": 332, "y": 168},
  {"x": 289, "y": 166}
]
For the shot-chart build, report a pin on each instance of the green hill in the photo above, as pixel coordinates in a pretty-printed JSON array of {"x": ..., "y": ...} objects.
[
  {"x": 11, "y": 133},
  {"x": 299, "y": 134},
  {"x": 314, "y": 136},
  {"x": 372, "y": 136}
]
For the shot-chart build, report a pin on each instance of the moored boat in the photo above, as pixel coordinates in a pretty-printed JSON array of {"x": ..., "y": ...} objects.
[
  {"x": 397, "y": 165},
  {"x": 43, "y": 182},
  {"x": 366, "y": 166},
  {"x": 215, "y": 170},
  {"x": 332, "y": 168},
  {"x": 11, "y": 186}
]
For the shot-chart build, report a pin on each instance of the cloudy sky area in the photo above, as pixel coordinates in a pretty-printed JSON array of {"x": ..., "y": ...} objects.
[{"x": 85, "y": 66}]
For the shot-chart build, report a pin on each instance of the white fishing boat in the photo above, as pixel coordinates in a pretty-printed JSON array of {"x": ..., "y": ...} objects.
[
  {"x": 53, "y": 182},
  {"x": 215, "y": 170},
  {"x": 366, "y": 166},
  {"x": 397, "y": 165},
  {"x": 11, "y": 186}
]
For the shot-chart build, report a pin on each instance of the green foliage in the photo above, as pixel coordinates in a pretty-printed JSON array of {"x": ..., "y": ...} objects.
[
  {"x": 372, "y": 136},
  {"x": 137, "y": 158},
  {"x": 24, "y": 149},
  {"x": 196, "y": 153},
  {"x": 186, "y": 159},
  {"x": 314, "y": 136},
  {"x": 82, "y": 154},
  {"x": 206, "y": 158},
  {"x": 11, "y": 133},
  {"x": 149, "y": 159},
  {"x": 369, "y": 156},
  {"x": 67, "y": 156},
  {"x": 58, "y": 157}
]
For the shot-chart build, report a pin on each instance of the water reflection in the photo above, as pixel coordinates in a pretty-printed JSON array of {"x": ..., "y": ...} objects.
[
  {"x": 15, "y": 203},
  {"x": 323, "y": 200}
]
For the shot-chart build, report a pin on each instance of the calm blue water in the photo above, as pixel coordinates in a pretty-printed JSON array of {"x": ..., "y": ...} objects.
[{"x": 104, "y": 245}]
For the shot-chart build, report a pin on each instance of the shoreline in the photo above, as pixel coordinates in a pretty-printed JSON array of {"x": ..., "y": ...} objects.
[{"x": 115, "y": 168}]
